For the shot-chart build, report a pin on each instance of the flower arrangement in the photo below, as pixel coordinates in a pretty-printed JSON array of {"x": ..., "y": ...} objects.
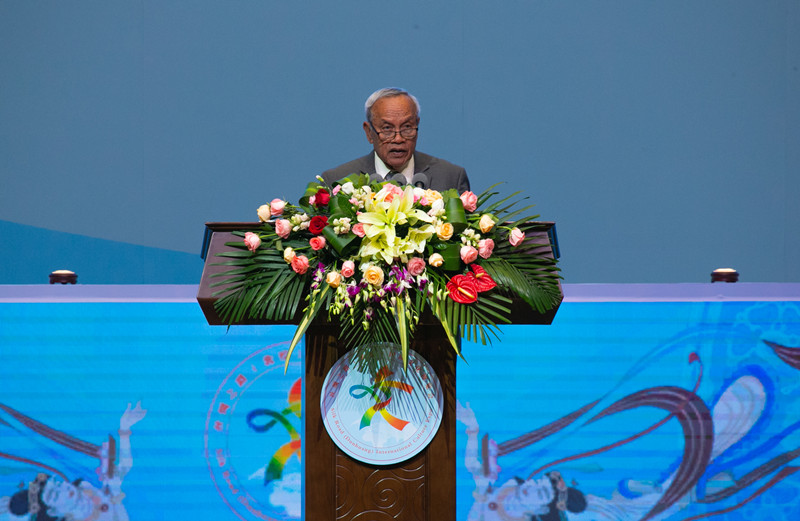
[{"x": 375, "y": 256}]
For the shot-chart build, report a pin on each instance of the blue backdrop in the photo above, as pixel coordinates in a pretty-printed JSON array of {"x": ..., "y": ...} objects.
[{"x": 661, "y": 136}]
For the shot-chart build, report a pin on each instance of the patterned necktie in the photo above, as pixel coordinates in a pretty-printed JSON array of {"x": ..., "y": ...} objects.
[{"x": 396, "y": 176}]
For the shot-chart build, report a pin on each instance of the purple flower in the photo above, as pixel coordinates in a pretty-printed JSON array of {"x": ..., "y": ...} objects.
[
  {"x": 319, "y": 273},
  {"x": 401, "y": 274}
]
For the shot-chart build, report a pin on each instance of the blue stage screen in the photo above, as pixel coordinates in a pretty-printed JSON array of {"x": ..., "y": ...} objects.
[{"x": 672, "y": 409}]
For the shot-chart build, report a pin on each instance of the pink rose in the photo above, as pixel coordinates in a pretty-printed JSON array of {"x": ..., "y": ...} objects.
[
  {"x": 336, "y": 189},
  {"x": 300, "y": 264},
  {"x": 416, "y": 266},
  {"x": 317, "y": 243},
  {"x": 390, "y": 191},
  {"x": 358, "y": 229},
  {"x": 468, "y": 254},
  {"x": 516, "y": 237},
  {"x": 469, "y": 200},
  {"x": 485, "y": 248},
  {"x": 252, "y": 241},
  {"x": 348, "y": 268},
  {"x": 276, "y": 206},
  {"x": 283, "y": 228}
]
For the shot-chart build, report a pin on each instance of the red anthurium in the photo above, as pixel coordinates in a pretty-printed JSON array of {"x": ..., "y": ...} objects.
[
  {"x": 482, "y": 279},
  {"x": 463, "y": 289}
]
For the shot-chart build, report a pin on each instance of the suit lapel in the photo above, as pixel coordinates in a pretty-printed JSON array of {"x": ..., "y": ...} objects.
[
  {"x": 421, "y": 163},
  {"x": 368, "y": 163}
]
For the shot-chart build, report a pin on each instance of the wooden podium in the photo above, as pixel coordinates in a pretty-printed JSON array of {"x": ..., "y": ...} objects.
[{"x": 337, "y": 487}]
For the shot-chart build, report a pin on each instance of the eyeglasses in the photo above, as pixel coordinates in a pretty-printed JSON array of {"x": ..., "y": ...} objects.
[{"x": 387, "y": 134}]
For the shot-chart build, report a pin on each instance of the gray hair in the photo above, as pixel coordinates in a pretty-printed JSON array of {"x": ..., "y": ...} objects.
[{"x": 388, "y": 92}]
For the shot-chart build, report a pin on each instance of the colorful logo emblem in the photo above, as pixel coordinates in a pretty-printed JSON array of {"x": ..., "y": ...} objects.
[
  {"x": 252, "y": 437},
  {"x": 386, "y": 416}
]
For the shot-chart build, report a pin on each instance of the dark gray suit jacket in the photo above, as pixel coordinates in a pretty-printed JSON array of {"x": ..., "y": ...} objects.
[{"x": 441, "y": 174}]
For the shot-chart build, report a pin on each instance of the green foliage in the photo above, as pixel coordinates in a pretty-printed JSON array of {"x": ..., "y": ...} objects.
[{"x": 262, "y": 285}]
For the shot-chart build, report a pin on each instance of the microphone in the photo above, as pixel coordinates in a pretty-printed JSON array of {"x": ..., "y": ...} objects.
[
  {"x": 397, "y": 177},
  {"x": 375, "y": 178},
  {"x": 420, "y": 180}
]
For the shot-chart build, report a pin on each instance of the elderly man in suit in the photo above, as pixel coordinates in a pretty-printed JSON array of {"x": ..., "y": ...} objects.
[{"x": 391, "y": 128}]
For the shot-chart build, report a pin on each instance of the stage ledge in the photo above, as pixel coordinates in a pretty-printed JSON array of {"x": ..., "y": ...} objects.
[
  {"x": 707, "y": 292},
  {"x": 77, "y": 293}
]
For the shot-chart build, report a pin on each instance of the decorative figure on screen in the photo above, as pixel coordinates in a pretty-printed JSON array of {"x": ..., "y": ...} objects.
[
  {"x": 50, "y": 496},
  {"x": 544, "y": 498},
  {"x": 704, "y": 474}
]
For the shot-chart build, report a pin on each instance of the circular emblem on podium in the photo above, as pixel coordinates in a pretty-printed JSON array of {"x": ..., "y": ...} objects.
[{"x": 382, "y": 414}]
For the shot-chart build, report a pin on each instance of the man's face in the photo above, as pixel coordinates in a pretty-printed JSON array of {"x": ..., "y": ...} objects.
[{"x": 393, "y": 113}]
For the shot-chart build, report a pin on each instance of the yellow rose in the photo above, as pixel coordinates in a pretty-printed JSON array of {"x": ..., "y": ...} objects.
[
  {"x": 436, "y": 260},
  {"x": 333, "y": 279},
  {"x": 289, "y": 255},
  {"x": 445, "y": 231},
  {"x": 486, "y": 223},
  {"x": 432, "y": 195},
  {"x": 264, "y": 213},
  {"x": 374, "y": 275}
]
